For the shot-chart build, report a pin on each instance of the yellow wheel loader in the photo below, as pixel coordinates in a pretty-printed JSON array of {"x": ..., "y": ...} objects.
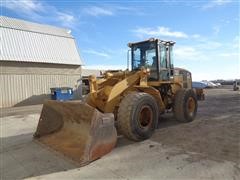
[{"x": 127, "y": 102}]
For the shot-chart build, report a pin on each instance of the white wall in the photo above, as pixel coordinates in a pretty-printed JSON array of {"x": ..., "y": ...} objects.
[{"x": 30, "y": 83}]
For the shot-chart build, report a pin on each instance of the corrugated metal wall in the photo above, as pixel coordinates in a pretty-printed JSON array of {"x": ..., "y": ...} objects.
[
  {"x": 24, "y": 46},
  {"x": 14, "y": 23},
  {"x": 26, "y": 85}
]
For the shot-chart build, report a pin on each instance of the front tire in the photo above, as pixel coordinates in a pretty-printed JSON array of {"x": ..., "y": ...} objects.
[
  {"x": 185, "y": 105},
  {"x": 137, "y": 116}
]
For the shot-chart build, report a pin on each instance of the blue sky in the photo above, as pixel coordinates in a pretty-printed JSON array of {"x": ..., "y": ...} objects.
[{"x": 206, "y": 32}]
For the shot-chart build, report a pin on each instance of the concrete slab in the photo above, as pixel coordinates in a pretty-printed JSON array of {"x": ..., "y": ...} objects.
[{"x": 148, "y": 160}]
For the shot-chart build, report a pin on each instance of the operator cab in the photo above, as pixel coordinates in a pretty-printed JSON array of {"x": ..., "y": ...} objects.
[{"x": 154, "y": 54}]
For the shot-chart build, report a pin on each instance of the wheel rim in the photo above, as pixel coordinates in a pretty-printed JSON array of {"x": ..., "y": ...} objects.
[
  {"x": 191, "y": 106},
  {"x": 145, "y": 117}
]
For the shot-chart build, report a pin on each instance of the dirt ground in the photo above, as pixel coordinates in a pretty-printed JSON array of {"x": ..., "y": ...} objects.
[
  {"x": 215, "y": 133},
  {"x": 207, "y": 148}
]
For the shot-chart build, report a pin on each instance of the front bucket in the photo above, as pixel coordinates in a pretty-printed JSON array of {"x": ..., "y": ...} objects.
[{"x": 77, "y": 130}]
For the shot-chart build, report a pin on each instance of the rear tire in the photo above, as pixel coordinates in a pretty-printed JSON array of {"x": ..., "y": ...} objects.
[
  {"x": 185, "y": 105},
  {"x": 137, "y": 116}
]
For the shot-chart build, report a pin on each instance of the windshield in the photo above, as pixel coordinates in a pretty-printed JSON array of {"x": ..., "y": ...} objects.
[{"x": 144, "y": 55}]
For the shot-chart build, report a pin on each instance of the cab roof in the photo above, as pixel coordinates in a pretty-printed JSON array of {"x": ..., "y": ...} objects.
[{"x": 152, "y": 40}]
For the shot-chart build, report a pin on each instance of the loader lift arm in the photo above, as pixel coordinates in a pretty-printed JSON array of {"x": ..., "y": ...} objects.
[{"x": 106, "y": 95}]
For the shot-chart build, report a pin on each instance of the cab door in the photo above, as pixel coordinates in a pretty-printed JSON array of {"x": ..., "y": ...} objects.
[{"x": 164, "y": 63}]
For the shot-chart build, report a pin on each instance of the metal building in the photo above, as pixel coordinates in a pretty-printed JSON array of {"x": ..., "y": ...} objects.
[{"x": 34, "y": 58}]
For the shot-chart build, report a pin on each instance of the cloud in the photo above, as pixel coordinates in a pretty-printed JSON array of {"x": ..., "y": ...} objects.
[
  {"x": 188, "y": 53},
  {"x": 26, "y": 5},
  {"x": 39, "y": 10},
  {"x": 216, "y": 30},
  {"x": 208, "y": 45},
  {"x": 196, "y": 36},
  {"x": 123, "y": 10},
  {"x": 226, "y": 73},
  {"x": 65, "y": 17},
  {"x": 97, "y": 53},
  {"x": 215, "y": 3},
  {"x": 236, "y": 42},
  {"x": 98, "y": 11},
  {"x": 206, "y": 51},
  {"x": 30, "y": 8},
  {"x": 68, "y": 20},
  {"x": 111, "y": 10},
  {"x": 231, "y": 54},
  {"x": 159, "y": 31},
  {"x": 206, "y": 62}
]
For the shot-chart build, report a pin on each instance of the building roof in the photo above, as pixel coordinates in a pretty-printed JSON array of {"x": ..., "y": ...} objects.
[
  {"x": 25, "y": 41},
  {"x": 88, "y": 72}
]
